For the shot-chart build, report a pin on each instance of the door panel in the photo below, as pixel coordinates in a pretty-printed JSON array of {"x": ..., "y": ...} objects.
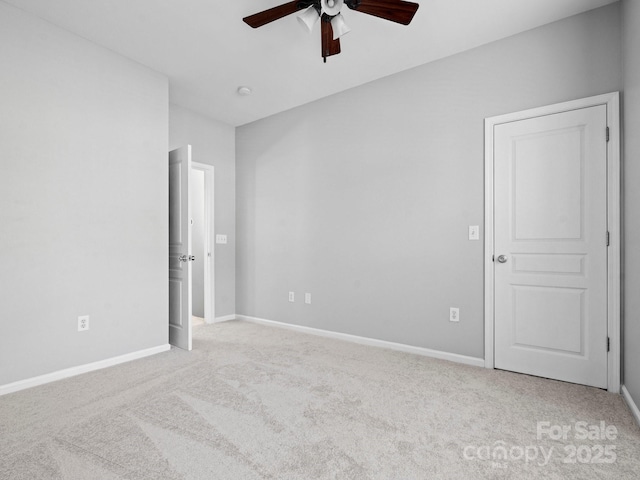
[
  {"x": 550, "y": 221},
  {"x": 180, "y": 248},
  {"x": 536, "y": 311},
  {"x": 552, "y": 160}
]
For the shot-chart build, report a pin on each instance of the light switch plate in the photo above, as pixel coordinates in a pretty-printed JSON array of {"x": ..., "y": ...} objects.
[
  {"x": 474, "y": 232},
  {"x": 221, "y": 239}
]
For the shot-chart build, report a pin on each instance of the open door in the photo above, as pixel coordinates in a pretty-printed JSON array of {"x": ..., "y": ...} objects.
[{"x": 180, "y": 257}]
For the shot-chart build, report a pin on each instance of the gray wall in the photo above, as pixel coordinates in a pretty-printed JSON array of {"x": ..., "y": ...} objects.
[
  {"x": 214, "y": 144},
  {"x": 83, "y": 200},
  {"x": 197, "y": 240},
  {"x": 364, "y": 198},
  {"x": 631, "y": 145}
]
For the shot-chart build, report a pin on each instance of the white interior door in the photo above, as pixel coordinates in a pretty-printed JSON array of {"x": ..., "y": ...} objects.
[
  {"x": 180, "y": 248},
  {"x": 550, "y": 244}
]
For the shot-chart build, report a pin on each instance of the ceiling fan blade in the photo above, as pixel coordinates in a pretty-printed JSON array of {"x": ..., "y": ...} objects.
[
  {"x": 259, "y": 19},
  {"x": 329, "y": 45},
  {"x": 397, "y": 11}
]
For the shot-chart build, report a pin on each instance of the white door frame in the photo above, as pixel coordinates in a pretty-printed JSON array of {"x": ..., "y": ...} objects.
[
  {"x": 612, "y": 102},
  {"x": 209, "y": 235}
]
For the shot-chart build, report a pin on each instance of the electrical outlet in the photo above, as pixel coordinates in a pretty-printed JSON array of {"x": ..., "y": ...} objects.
[
  {"x": 454, "y": 314},
  {"x": 292, "y": 297},
  {"x": 307, "y": 298},
  {"x": 83, "y": 323}
]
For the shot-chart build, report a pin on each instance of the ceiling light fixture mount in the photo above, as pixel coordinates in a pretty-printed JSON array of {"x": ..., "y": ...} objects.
[
  {"x": 244, "y": 91},
  {"x": 332, "y": 22}
]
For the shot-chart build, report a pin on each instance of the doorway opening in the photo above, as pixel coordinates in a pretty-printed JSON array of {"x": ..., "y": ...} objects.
[{"x": 202, "y": 223}]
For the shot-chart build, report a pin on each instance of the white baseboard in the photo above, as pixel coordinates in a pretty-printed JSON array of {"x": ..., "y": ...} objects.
[
  {"x": 72, "y": 372},
  {"x": 226, "y": 318},
  {"x": 632, "y": 405},
  {"x": 372, "y": 342}
]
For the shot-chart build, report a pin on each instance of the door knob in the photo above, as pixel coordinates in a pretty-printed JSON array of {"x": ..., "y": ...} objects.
[
  {"x": 182, "y": 258},
  {"x": 192, "y": 258},
  {"x": 502, "y": 259}
]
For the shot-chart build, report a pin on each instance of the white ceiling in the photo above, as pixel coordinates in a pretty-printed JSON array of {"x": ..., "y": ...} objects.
[{"x": 207, "y": 51}]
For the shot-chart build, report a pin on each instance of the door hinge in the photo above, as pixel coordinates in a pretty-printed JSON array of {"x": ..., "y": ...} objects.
[
  {"x": 608, "y": 239},
  {"x": 607, "y": 134},
  {"x": 608, "y": 344}
]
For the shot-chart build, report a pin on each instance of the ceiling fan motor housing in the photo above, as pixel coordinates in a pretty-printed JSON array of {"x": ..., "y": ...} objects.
[
  {"x": 318, "y": 5},
  {"x": 302, "y": 4}
]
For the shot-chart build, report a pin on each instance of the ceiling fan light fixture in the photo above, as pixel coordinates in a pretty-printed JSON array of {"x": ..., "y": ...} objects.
[
  {"x": 339, "y": 27},
  {"x": 308, "y": 18},
  {"x": 331, "y": 7},
  {"x": 332, "y": 22}
]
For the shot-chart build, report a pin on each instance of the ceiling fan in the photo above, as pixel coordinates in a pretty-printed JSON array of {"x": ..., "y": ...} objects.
[{"x": 332, "y": 23}]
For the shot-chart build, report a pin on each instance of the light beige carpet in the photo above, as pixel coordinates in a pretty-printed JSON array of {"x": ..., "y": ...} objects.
[
  {"x": 197, "y": 321},
  {"x": 254, "y": 402}
]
